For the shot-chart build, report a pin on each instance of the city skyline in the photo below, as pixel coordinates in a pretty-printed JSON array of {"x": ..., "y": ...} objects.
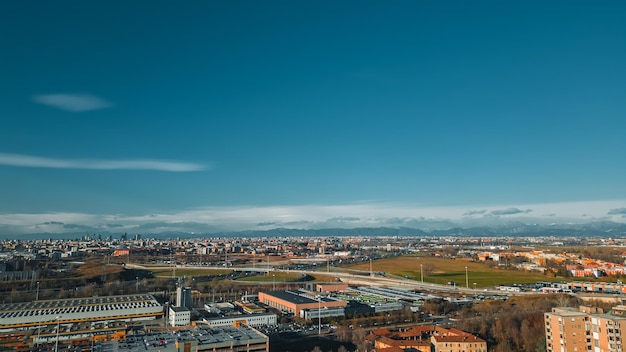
[{"x": 155, "y": 117}]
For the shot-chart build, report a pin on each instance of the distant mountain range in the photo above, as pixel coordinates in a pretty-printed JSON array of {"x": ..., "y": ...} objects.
[{"x": 595, "y": 229}]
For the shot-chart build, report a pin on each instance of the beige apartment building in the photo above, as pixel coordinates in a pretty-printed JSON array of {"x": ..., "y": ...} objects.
[{"x": 584, "y": 329}]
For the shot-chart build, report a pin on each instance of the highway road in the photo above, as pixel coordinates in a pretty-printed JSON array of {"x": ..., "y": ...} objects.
[{"x": 351, "y": 278}]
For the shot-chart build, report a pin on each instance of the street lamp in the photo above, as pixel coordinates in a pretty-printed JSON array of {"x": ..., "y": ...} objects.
[
  {"x": 273, "y": 282},
  {"x": 137, "y": 284},
  {"x": 56, "y": 344},
  {"x": 37, "y": 297},
  {"x": 319, "y": 316},
  {"x": 38, "y": 334},
  {"x": 422, "y": 272},
  {"x": 466, "y": 279}
]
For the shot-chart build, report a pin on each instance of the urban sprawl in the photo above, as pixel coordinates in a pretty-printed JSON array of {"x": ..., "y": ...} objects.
[{"x": 383, "y": 294}]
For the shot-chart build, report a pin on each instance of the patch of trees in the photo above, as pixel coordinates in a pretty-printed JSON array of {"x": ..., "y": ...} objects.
[
  {"x": 514, "y": 325},
  {"x": 438, "y": 306}
]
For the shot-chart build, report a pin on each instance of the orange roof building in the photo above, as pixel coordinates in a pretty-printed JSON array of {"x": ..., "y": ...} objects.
[{"x": 426, "y": 338}]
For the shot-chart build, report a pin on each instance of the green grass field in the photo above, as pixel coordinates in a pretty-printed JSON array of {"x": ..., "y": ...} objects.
[
  {"x": 277, "y": 277},
  {"x": 446, "y": 270},
  {"x": 286, "y": 277},
  {"x": 189, "y": 272}
]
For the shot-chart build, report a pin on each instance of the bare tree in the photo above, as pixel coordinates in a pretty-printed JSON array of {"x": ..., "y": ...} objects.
[
  {"x": 563, "y": 300},
  {"x": 427, "y": 269},
  {"x": 360, "y": 340},
  {"x": 344, "y": 333}
]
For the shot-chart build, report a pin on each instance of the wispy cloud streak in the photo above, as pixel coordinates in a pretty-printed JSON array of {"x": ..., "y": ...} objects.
[
  {"x": 20, "y": 160},
  {"x": 73, "y": 102}
]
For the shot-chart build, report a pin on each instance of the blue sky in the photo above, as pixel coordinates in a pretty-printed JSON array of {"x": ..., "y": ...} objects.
[{"x": 309, "y": 111}]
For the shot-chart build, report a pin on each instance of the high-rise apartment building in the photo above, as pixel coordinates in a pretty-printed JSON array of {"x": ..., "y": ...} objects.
[
  {"x": 606, "y": 330},
  {"x": 585, "y": 329},
  {"x": 566, "y": 330}
]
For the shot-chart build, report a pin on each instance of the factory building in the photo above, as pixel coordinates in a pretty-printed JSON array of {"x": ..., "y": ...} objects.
[
  {"x": 254, "y": 320},
  {"x": 63, "y": 311},
  {"x": 310, "y": 314},
  {"x": 96, "y": 318},
  {"x": 242, "y": 338},
  {"x": 579, "y": 286},
  {"x": 332, "y": 287},
  {"x": 394, "y": 294},
  {"x": 295, "y": 301}
]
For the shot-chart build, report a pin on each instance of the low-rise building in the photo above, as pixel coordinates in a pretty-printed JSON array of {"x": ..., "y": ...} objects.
[
  {"x": 310, "y": 314},
  {"x": 254, "y": 320},
  {"x": 179, "y": 316},
  {"x": 296, "y": 301},
  {"x": 97, "y": 318},
  {"x": 62, "y": 311},
  {"x": 426, "y": 338},
  {"x": 454, "y": 340},
  {"x": 200, "y": 339},
  {"x": 332, "y": 287}
]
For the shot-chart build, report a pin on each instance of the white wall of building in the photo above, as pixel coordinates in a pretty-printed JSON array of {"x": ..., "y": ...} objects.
[
  {"x": 179, "y": 317},
  {"x": 253, "y": 320}
]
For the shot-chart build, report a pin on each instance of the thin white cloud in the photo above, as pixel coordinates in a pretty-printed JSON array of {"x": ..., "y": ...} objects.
[
  {"x": 73, "y": 102},
  {"x": 21, "y": 160}
]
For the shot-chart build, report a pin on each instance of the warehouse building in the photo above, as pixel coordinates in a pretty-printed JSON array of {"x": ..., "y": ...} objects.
[
  {"x": 310, "y": 314},
  {"x": 331, "y": 287},
  {"x": 393, "y": 294},
  {"x": 63, "y": 311},
  {"x": 93, "y": 319},
  {"x": 241, "y": 338},
  {"x": 254, "y": 320},
  {"x": 295, "y": 301}
]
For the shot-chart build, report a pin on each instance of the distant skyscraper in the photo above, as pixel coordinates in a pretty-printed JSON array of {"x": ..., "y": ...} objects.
[{"x": 183, "y": 297}]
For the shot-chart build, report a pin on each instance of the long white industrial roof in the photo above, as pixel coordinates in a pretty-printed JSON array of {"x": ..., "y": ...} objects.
[{"x": 79, "y": 309}]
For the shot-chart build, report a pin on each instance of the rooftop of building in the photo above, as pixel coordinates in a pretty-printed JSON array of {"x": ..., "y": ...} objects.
[
  {"x": 179, "y": 309},
  {"x": 299, "y": 297},
  {"x": 241, "y": 316},
  {"x": 567, "y": 312},
  {"x": 457, "y": 338},
  {"x": 74, "y": 302},
  {"x": 81, "y": 309},
  {"x": 202, "y": 336},
  {"x": 416, "y": 333}
]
